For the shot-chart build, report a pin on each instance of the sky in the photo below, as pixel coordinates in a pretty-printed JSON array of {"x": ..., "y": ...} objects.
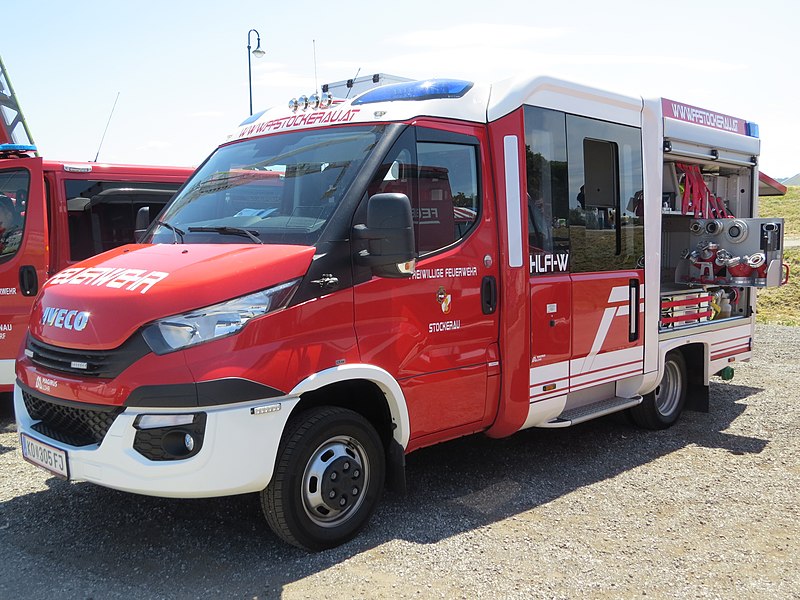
[{"x": 180, "y": 67}]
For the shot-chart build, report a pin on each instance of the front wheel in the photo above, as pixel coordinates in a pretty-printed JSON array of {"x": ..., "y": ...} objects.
[
  {"x": 328, "y": 478},
  {"x": 661, "y": 408}
]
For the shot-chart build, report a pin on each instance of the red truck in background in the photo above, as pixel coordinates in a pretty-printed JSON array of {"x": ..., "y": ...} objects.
[
  {"x": 55, "y": 213},
  {"x": 343, "y": 283},
  {"x": 61, "y": 213}
]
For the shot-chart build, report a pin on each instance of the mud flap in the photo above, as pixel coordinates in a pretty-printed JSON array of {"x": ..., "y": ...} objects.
[
  {"x": 697, "y": 395},
  {"x": 396, "y": 468}
]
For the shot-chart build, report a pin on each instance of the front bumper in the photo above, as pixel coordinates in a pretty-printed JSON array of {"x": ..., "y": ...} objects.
[{"x": 238, "y": 453}]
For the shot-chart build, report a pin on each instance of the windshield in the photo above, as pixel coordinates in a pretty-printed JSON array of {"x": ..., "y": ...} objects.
[{"x": 279, "y": 189}]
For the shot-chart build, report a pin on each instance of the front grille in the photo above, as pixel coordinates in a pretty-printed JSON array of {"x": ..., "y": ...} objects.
[
  {"x": 70, "y": 424},
  {"x": 87, "y": 363}
]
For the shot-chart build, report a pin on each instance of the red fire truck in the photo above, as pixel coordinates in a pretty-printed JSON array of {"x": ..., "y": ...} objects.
[
  {"x": 61, "y": 213},
  {"x": 54, "y": 214},
  {"x": 342, "y": 283}
]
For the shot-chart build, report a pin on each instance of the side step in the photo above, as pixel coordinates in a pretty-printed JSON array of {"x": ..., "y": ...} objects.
[{"x": 580, "y": 414}]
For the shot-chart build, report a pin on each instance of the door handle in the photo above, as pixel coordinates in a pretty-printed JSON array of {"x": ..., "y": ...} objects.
[
  {"x": 28, "y": 280},
  {"x": 489, "y": 295},
  {"x": 633, "y": 309}
]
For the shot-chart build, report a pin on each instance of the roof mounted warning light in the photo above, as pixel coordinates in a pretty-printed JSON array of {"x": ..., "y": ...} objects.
[
  {"x": 323, "y": 100},
  {"x": 16, "y": 150},
  {"x": 429, "y": 89}
]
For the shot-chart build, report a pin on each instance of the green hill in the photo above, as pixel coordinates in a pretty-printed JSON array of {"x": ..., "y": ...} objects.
[{"x": 781, "y": 306}]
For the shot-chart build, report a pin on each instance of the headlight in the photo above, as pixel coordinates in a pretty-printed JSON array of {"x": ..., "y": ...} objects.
[{"x": 212, "y": 322}]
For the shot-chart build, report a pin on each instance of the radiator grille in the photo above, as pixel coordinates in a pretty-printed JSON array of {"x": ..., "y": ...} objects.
[{"x": 73, "y": 425}]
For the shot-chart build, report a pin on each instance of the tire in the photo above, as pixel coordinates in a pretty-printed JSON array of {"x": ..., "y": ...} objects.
[
  {"x": 662, "y": 407},
  {"x": 328, "y": 478}
]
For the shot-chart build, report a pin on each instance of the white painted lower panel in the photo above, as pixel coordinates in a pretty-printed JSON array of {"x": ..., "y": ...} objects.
[
  {"x": 238, "y": 453},
  {"x": 582, "y": 373},
  {"x": 544, "y": 411},
  {"x": 7, "y": 374},
  {"x": 590, "y": 363}
]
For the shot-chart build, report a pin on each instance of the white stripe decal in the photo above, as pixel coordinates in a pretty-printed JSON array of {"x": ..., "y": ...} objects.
[
  {"x": 513, "y": 210},
  {"x": 719, "y": 346},
  {"x": 614, "y": 372},
  {"x": 547, "y": 373},
  {"x": 621, "y": 293},
  {"x": 548, "y": 395},
  {"x": 732, "y": 350},
  {"x": 576, "y": 388},
  {"x": 608, "y": 360},
  {"x": 605, "y": 325}
]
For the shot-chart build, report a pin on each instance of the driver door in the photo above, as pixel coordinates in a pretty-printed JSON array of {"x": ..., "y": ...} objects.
[{"x": 436, "y": 332}]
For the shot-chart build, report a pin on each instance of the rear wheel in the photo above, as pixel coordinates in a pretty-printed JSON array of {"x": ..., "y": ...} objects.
[
  {"x": 662, "y": 407},
  {"x": 327, "y": 480}
]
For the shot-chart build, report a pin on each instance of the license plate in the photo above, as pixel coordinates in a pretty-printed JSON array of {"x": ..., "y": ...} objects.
[{"x": 45, "y": 456}]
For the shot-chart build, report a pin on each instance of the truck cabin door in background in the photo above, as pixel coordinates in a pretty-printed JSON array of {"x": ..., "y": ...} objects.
[{"x": 23, "y": 254}]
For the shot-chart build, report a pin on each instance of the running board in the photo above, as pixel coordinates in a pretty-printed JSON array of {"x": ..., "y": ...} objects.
[{"x": 592, "y": 411}]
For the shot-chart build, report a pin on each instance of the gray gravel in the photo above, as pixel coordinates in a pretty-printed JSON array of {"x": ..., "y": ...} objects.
[{"x": 707, "y": 509}]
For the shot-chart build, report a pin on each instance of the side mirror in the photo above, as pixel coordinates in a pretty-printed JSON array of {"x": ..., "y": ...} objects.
[
  {"x": 390, "y": 236},
  {"x": 142, "y": 222}
]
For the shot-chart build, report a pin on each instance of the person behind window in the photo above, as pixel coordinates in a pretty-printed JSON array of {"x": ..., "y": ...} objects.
[{"x": 540, "y": 230}]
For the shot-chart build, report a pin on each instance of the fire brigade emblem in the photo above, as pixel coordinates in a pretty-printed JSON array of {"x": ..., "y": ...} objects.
[{"x": 443, "y": 298}]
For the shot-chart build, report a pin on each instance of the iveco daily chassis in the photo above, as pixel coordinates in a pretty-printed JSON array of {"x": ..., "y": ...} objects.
[{"x": 342, "y": 283}]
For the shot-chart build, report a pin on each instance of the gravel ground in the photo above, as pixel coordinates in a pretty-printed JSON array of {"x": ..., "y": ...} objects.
[{"x": 707, "y": 509}]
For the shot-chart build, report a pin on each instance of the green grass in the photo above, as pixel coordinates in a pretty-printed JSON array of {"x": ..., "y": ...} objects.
[
  {"x": 781, "y": 306},
  {"x": 787, "y": 206}
]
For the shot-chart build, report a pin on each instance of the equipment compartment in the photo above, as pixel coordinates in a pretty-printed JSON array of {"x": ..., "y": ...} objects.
[
  {"x": 685, "y": 307},
  {"x": 743, "y": 252}
]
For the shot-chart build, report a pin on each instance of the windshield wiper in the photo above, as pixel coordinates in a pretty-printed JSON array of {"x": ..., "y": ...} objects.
[
  {"x": 228, "y": 231},
  {"x": 175, "y": 230}
]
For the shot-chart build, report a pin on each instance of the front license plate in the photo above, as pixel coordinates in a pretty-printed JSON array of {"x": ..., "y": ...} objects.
[{"x": 45, "y": 456}]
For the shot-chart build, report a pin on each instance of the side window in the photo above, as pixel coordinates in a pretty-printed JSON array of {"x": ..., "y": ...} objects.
[
  {"x": 605, "y": 191},
  {"x": 102, "y": 214},
  {"x": 14, "y": 188},
  {"x": 442, "y": 183},
  {"x": 547, "y": 193},
  {"x": 447, "y": 204}
]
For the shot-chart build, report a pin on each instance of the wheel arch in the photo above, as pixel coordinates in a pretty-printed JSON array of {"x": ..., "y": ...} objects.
[
  {"x": 337, "y": 380},
  {"x": 374, "y": 394},
  {"x": 696, "y": 356}
]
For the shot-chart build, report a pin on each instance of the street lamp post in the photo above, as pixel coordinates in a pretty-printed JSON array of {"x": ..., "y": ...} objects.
[{"x": 258, "y": 53}]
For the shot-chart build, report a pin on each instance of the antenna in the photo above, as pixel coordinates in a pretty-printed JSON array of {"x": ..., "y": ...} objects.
[
  {"x": 106, "y": 129},
  {"x": 316, "y": 86},
  {"x": 350, "y": 88}
]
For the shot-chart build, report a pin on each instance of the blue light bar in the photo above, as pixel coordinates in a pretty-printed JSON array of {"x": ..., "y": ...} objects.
[
  {"x": 416, "y": 90},
  {"x": 17, "y": 148},
  {"x": 752, "y": 129}
]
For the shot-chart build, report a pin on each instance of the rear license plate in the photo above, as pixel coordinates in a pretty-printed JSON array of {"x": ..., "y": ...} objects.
[{"x": 45, "y": 456}]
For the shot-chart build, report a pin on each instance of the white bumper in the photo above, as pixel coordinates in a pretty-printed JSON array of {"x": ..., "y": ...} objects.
[{"x": 238, "y": 454}]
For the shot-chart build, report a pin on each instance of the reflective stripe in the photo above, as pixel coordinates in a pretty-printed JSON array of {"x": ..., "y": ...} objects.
[{"x": 513, "y": 210}]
